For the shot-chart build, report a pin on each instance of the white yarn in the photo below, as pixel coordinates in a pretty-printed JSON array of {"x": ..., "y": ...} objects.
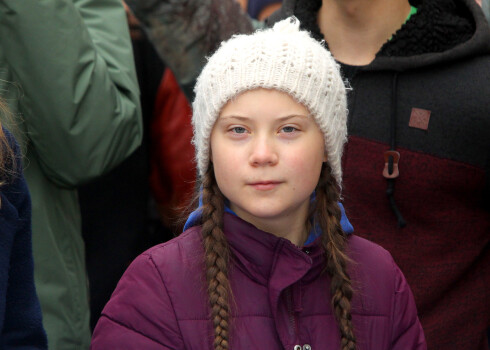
[{"x": 284, "y": 58}]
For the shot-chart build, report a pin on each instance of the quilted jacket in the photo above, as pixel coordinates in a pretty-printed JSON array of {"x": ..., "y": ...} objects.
[
  {"x": 425, "y": 95},
  {"x": 281, "y": 298}
]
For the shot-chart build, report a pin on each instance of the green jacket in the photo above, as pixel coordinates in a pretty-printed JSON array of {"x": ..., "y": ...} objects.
[{"x": 67, "y": 73}]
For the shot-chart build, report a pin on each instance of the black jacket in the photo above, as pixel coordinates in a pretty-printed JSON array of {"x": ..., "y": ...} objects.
[{"x": 427, "y": 96}]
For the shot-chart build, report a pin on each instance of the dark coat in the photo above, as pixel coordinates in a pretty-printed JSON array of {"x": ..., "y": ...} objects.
[
  {"x": 281, "y": 298},
  {"x": 426, "y": 95},
  {"x": 20, "y": 314}
]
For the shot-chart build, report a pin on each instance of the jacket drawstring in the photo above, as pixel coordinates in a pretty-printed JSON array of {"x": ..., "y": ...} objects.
[{"x": 392, "y": 157}]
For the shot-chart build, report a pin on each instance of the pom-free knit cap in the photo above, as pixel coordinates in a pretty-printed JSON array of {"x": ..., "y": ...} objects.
[{"x": 283, "y": 58}]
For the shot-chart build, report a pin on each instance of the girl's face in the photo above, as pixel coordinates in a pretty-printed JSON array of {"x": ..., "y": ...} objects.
[{"x": 267, "y": 155}]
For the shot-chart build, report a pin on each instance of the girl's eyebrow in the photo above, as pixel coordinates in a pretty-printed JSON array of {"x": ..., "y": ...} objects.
[
  {"x": 233, "y": 117},
  {"x": 292, "y": 116},
  {"x": 279, "y": 119}
]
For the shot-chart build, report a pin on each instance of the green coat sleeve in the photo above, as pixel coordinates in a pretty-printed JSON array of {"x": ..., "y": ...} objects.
[
  {"x": 185, "y": 32},
  {"x": 80, "y": 100}
]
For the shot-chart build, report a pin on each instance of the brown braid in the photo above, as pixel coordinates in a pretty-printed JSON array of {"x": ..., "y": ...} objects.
[
  {"x": 7, "y": 155},
  {"x": 217, "y": 258},
  {"x": 328, "y": 216}
]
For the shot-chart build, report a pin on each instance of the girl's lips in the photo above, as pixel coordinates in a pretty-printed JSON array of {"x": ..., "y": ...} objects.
[{"x": 265, "y": 185}]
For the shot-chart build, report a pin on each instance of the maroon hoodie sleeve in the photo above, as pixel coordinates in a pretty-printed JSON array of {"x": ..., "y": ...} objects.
[
  {"x": 407, "y": 331},
  {"x": 139, "y": 314}
]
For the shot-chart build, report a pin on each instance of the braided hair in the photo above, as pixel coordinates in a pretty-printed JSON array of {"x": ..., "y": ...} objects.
[
  {"x": 217, "y": 256},
  {"x": 326, "y": 213}
]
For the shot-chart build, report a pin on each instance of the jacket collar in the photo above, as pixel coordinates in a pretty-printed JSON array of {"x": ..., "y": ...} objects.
[
  {"x": 268, "y": 259},
  {"x": 194, "y": 219}
]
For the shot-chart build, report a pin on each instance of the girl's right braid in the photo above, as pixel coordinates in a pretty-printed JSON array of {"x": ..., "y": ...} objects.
[
  {"x": 217, "y": 258},
  {"x": 328, "y": 215}
]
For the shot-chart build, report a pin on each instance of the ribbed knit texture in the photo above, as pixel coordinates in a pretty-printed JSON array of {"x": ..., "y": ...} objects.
[{"x": 283, "y": 58}]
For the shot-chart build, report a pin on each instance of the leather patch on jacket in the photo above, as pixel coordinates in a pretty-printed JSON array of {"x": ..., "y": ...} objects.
[{"x": 419, "y": 118}]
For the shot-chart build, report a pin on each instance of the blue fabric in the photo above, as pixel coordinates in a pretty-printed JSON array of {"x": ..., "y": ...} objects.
[
  {"x": 20, "y": 313},
  {"x": 255, "y": 6},
  {"x": 195, "y": 218}
]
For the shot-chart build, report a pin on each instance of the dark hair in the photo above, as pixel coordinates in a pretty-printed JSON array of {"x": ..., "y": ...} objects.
[{"x": 326, "y": 213}]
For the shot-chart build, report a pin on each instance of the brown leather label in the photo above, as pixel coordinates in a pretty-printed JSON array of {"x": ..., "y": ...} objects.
[{"x": 419, "y": 118}]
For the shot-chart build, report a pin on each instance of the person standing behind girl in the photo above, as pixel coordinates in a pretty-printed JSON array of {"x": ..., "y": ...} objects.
[
  {"x": 20, "y": 313},
  {"x": 269, "y": 266}
]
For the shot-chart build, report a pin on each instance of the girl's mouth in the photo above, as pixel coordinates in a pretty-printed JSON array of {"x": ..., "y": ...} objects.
[{"x": 265, "y": 185}]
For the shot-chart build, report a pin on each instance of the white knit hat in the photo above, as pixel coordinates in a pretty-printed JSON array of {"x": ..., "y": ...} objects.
[{"x": 283, "y": 58}]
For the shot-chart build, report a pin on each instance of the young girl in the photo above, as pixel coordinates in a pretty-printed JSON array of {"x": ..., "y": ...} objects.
[{"x": 269, "y": 266}]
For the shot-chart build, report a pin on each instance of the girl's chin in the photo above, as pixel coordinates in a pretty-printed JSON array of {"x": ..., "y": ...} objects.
[{"x": 262, "y": 215}]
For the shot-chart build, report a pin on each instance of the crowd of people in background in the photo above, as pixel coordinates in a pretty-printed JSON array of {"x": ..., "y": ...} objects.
[{"x": 96, "y": 132}]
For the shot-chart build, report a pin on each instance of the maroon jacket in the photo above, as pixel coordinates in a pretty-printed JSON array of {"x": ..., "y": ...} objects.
[{"x": 281, "y": 298}]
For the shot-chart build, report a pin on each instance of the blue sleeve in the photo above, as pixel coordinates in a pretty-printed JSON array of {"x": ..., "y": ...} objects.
[{"x": 22, "y": 324}]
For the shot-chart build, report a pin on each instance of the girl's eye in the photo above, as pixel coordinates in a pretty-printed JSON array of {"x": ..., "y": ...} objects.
[
  {"x": 289, "y": 129},
  {"x": 239, "y": 130}
]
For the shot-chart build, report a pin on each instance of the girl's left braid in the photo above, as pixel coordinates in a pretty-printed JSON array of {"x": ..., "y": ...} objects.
[
  {"x": 334, "y": 239},
  {"x": 217, "y": 258}
]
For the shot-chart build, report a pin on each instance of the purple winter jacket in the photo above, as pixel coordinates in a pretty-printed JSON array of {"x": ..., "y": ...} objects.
[{"x": 281, "y": 298}]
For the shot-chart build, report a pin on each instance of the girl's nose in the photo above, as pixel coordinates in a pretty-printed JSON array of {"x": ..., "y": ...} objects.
[{"x": 263, "y": 152}]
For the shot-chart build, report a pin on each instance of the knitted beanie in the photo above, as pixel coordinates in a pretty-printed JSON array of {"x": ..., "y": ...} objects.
[{"x": 283, "y": 58}]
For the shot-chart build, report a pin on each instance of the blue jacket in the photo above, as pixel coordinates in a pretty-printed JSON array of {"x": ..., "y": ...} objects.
[{"x": 20, "y": 314}]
